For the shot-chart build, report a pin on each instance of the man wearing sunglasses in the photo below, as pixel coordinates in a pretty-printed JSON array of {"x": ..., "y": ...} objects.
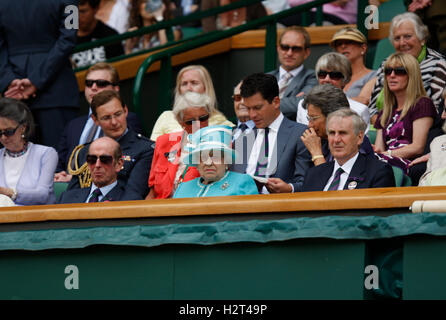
[
  {"x": 104, "y": 160},
  {"x": 110, "y": 113},
  {"x": 102, "y": 76},
  {"x": 293, "y": 78}
]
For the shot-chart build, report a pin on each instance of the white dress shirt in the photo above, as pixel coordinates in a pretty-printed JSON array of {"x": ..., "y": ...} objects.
[
  {"x": 272, "y": 139},
  {"x": 347, "y": 167},
  {"x": 251, "y": 125}
]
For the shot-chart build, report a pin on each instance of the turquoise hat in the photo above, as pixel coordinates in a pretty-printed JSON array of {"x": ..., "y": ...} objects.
[{"x": 215, "y": 138}]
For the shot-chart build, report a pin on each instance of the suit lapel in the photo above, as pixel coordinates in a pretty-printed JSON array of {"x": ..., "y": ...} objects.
[
  {"x": 281, "y": 141},
  {"x": 82, "y": 195},
  {"x": 357, "y": 175},
  {"x": 325, "y": 174}
]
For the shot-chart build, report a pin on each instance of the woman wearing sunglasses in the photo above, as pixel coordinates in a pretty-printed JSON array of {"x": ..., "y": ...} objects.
[
  {"x": 26, "y": 169},
  {"x": 335, "y": 69},
  {"x": 195, "y": 78},
  {"x": 192, "y": 111},
  {"x": 407, "y": 115},
  {"x": 408, "y": 35}
]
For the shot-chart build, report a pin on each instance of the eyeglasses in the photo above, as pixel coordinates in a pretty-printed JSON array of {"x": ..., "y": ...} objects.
[
  {"x": 9, "y": 132},
  {"x": 92, "y": 159},
  {"x": 237, "y": 97},
  {"x": 112, "y": 116},
  {"x": 201, "y": 119},
  {"x": 399, "y": 71},
  {"x": 99, "y": 83},
  {"x": 312, "y": 119},
  {"x": 334, "y": 75},
  {"x": 295, "y": 49}
]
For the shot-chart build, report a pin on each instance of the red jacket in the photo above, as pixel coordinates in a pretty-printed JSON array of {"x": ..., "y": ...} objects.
[{"x": 163, "y": 171}]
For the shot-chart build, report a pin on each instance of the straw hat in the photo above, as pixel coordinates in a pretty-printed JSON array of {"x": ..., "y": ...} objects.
[
  {"x": 348, "y": 33},
  {"x": 215, "y": 138}
]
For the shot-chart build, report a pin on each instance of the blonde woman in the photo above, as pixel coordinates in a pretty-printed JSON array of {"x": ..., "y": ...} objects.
[
  {"x": 407, "y": 114},
  {"x": 194, "y": 78}
]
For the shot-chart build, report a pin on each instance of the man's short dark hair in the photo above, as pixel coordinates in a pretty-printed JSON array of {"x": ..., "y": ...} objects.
[
  {"x": 265, "y": 84},
  {"x": 93, "y": 3},
  {"x": 104, "y": 97}
]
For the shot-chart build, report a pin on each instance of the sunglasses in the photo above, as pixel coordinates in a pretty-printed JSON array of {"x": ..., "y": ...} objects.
[
  {"x": 399, "y": 71},
  {"x": 9, "y": 132},
  {"x": 99, "y": 83},
  {"x": 295, "y": 49},
  {"x": 201, "y": 119},
  {"x": 92, "y": 159},
  {"x": 237, "y": 97},
  {"x": 334, "y": 75}
]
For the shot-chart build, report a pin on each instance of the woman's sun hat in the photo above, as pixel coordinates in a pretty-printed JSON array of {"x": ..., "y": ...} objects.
[
  {"x": 348, "y": 33},
  {"x": 207, "y": 139}
]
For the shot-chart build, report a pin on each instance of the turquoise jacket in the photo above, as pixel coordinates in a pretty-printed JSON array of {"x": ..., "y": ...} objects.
[{"x": 232, "y": 184}]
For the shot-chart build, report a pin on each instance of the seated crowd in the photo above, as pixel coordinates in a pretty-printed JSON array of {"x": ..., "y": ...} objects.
[{"x": 297, "y": 129}]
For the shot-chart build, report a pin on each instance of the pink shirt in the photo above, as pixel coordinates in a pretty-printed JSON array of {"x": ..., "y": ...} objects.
[{"x": 347, "y": 13}]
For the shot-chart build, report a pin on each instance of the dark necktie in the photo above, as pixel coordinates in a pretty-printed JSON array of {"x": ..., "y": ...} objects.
[
  {"x": 262, "y": 162},
  {"x": 243, "y": 126},
  {"x": 336, "y": 180},
  {"x": 95, "y": 195}
]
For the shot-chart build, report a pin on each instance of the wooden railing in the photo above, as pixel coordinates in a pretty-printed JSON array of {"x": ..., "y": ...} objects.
[
  {"x": 332, "y": 202},
  {"x": 249, "y": 39}
]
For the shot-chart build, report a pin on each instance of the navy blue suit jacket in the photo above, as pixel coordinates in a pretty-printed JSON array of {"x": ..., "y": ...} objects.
[
  {"x": 367, "y": 172},
  {"x": 137, "y": 152},
  {"x": 80, "y": 195},
  {"x": 293, "y": 158},
  {"x": 35, "y": 44},
  {"x": 73, "y": 131}
]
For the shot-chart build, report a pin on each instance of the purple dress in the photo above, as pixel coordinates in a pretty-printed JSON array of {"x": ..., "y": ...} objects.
[{"x": 398, "y": 134}]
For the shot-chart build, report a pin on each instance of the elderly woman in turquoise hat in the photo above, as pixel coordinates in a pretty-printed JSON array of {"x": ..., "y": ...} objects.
[{"x": 212, "y": 154}]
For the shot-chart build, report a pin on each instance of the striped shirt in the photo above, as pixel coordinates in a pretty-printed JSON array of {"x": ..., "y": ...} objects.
[{"x": 433, "y": 74}]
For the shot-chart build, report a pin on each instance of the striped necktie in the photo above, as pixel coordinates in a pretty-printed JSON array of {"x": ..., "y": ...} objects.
[
  {"x": 95, "y": 195},
  {"x": 283, "y": 83},
  {"x": 336, "y": 180},
  {"x": 262, "y": 162}
]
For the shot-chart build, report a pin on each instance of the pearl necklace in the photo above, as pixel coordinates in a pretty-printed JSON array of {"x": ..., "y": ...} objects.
[{"x": 13, "y": 154}]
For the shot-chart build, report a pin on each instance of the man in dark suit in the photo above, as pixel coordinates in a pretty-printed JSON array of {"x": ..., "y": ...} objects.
[
  {"x": 99, "y": 77},
  {"x": 104, "y": 161},
  {"x": 35, "y": 45},
  {"x": 110, "y": 113},
  {"x": 293, "y": 78},
  {"x": 350, "y": 169},
  {"x": 275, "y": 154}
]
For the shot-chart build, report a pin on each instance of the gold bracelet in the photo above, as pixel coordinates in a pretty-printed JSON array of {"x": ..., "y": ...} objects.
[{"x": 319, "y": 156}]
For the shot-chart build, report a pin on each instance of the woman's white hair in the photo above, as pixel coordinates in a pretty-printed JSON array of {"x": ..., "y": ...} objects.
[
  {"x": 190, "y": 100},
  {"x": 421, "y": 30}
]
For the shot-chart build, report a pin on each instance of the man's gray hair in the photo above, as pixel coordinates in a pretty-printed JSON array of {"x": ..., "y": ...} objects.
[
  {"x": 327, "y": 98},
  {"x": 334, "y": 61},
  {"x": 190, "y": 100},
  {"x": 358, "y": 124}
]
